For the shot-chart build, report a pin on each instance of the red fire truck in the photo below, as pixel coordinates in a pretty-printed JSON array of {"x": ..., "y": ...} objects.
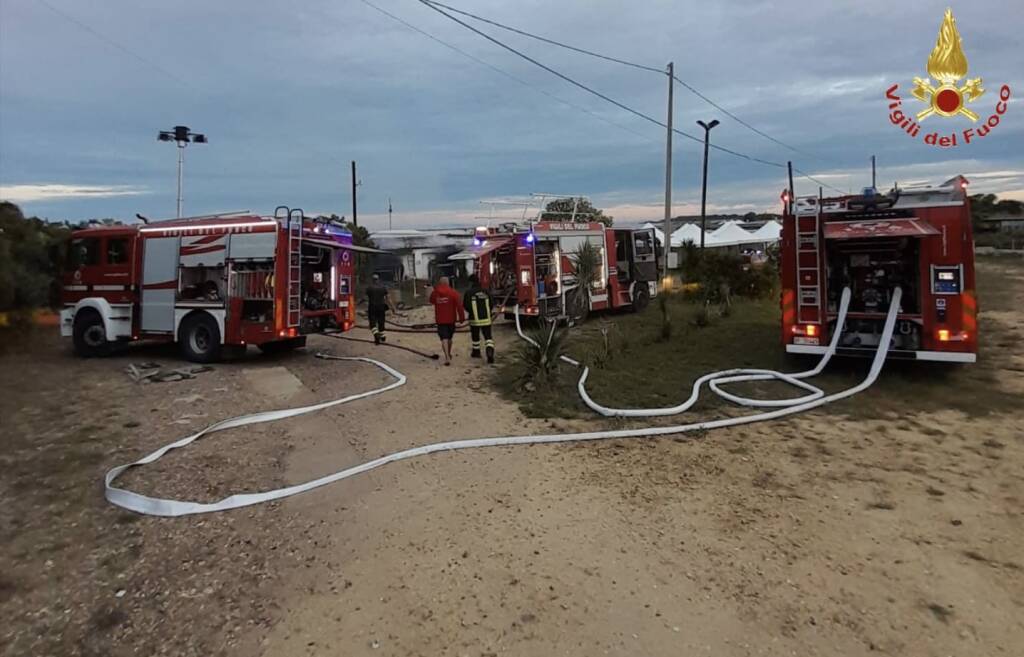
[
  {"x": 208, "y": 283},
  {"x": 532, "y": 266},
  {"x": 917, "y": 238}
]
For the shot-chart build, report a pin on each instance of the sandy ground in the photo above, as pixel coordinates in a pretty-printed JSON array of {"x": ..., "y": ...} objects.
[{"x": 825, "y": 534}]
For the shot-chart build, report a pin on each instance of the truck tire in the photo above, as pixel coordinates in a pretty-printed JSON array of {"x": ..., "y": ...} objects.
[
  {"x": 641, "y": 297},
  {"x": 89, "y": 334},
  {"x": 199, "y": 338},
  {"x": 281, "y": 346}
]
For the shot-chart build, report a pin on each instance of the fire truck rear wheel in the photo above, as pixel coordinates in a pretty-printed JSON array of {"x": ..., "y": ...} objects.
[
  {"x": 641, "y": 297},
  {"x": 89, "y": 334},
  {"x": 199, "y": 337}
]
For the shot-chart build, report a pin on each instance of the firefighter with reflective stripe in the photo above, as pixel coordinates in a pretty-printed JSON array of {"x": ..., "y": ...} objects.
[
  {"x": 478, "y": 310},
  {"x": 378, "y": 301}
]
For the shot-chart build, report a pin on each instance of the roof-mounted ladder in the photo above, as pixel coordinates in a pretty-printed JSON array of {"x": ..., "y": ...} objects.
[
  {"x": 293, "y": 221},
  {"x": 296, "y": 219},
  {"x": 808, "y": 267}
]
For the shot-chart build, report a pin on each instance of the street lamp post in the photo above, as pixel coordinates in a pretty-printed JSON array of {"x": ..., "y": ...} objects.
[
  {"x": 181, "y": 136},
  {"x": 704, "y": 185}
]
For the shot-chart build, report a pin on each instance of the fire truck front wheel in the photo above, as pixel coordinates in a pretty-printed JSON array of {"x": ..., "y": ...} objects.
[
  {"x": 89, "y": 334},
  {"x": 199, "y": 337}
]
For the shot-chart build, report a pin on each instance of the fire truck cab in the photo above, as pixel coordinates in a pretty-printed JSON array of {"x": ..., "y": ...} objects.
[
  {"x": 918, "y": 239},
  {"x": 208, "y": 283},
  {"x": 532, "y": 267}
]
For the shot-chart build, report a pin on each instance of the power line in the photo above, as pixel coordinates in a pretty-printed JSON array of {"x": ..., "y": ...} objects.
[
  {"x": 543, "y": 66},
  {"x": 157, "y": 67},
  {"x": 503, "y": 72},
  {"x": 823, "y": 184},
  {"x": 110, "y": 42},
  {"x": 591, "y": 53},
  {"x": 430, "y": 4},
  {"x": 546, "y": 40},
  {"x": 734, "y": 117}
]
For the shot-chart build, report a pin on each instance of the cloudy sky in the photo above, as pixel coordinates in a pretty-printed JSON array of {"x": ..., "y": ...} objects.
[{"x": 289, "y": 93}]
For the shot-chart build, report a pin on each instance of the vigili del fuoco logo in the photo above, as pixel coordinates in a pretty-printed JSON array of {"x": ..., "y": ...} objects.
[{"x": 949, "y": 97}]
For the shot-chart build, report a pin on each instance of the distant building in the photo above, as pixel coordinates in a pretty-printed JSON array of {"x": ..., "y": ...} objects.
[
  {"x": 421, "y": 254},
  {"x": 1007, "y": 223}
]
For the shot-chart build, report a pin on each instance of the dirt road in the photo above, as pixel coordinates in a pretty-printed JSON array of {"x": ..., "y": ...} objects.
[{"x": 826, "y": 534}]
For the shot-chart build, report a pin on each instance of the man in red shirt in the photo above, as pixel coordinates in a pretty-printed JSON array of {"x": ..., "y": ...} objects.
[{"x": 447, "y": 310}]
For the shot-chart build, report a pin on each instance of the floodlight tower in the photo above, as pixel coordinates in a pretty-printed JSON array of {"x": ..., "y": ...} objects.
[{"x": 182, "y": 136}]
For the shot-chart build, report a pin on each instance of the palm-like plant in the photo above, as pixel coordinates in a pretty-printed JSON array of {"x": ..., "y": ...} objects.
[
  {"x": 587, "y": 263},
  {"x": 540, "y": 361}
]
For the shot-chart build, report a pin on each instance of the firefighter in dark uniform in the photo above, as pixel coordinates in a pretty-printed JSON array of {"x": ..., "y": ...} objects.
[
  {"x": 378, "y": 301},
  {"x": 478, "y": 311}
]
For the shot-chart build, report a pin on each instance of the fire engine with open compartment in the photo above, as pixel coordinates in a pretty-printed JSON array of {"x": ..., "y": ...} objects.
[
  {"x": 917, "y": 238},
  {"x": 209, "y": 283},
  {"x": 531, "y": 267}
]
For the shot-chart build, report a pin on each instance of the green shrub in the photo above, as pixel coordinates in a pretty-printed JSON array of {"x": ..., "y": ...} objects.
[
  {"x": 539, "y": 365},
  {"x": 31, "y": 259},
  {"x": 723, "y": 274},
  {"x": 690, "y": 261}
]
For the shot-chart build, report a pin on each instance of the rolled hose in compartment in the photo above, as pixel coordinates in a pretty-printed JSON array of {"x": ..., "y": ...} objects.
[{"x": 166, "y": 507}]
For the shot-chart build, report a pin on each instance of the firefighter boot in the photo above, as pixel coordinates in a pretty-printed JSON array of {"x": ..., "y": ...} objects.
[
  {"x": 490, "y": 355},
  {"x": 475, "y": 353}
]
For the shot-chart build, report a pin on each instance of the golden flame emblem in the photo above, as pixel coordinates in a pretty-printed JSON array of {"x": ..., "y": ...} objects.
[{"x": 947, "y": 64}]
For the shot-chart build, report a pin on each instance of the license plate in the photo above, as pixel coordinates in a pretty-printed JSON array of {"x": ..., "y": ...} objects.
[{"x": 802, "y": 340}]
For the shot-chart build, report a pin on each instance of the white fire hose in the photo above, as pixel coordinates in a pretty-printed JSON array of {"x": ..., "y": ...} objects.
[{"x": 815, "y": 398}]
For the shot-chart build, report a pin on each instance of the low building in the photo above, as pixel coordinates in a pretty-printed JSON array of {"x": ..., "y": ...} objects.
[
  {"x": 1007, "y": 223},
  {"x": 421, "y": 254}
]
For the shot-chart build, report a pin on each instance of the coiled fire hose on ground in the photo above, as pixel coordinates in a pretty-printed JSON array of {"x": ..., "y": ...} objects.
[{"x": 165, "y": 507}]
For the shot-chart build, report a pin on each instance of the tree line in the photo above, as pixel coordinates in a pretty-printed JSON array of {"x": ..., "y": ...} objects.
[{"x": 32, "y": 256}]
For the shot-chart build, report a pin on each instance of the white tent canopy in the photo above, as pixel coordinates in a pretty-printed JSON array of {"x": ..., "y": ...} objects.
[
  {"x": 770, "y": 232},
  {"x": 687, "y": 233},
  {"x": 730, "y": 234},
  {"x": 726, "y": 228},
  {"x": 681, "y": 235}
]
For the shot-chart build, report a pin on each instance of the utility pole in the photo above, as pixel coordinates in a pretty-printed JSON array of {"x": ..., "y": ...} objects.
[
  {"x": 872, "y": 172},
  {"x": 355, "y": 217},
  {"x": 792, "y": 192},
  {"x": 667, "y": 245},
  {"x": 389, "y": 213},
  {"x": 704, "y": 185}
]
